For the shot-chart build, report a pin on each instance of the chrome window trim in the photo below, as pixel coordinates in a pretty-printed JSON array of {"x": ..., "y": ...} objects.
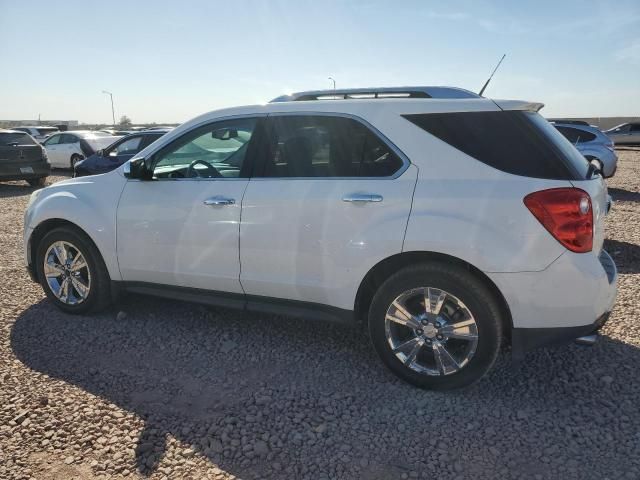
[{"x": 405, "y": 160}]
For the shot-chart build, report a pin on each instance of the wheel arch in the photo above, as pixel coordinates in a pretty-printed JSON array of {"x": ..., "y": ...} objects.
[
  {"x": 45, "y": 227},
  {"x": 383, "y": 269}
]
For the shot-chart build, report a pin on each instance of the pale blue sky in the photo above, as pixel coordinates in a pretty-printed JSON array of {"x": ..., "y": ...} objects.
[{"x": 167, "y": 61}]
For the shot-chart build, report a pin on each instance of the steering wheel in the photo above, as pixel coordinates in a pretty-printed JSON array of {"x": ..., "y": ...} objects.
[{"x": 211, "y": 170}]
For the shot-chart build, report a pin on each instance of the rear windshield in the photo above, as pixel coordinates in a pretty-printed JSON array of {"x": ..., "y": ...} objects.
[
  {"x": 8, "y": 139},
  {"x": 516, "y": 142}
]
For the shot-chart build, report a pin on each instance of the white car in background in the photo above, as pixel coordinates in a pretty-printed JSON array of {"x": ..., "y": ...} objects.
[
  {"x": 39, "y": 133},
  {"x": 68, "y": 148}
]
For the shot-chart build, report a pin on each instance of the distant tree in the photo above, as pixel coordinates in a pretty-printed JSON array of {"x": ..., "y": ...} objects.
[{"x": 125, "y": 121}]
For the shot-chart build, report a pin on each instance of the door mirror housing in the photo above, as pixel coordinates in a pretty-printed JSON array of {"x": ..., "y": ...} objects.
[
  {"x": 100, "y": 153},
  {"x": 136, "y": 169}
]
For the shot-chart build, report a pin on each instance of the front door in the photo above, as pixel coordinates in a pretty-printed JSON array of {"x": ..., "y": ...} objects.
[
  {"x": 328, "y": 200},
  {"x": 181, "y": 228},
  {"x": 55, "y": 151}
]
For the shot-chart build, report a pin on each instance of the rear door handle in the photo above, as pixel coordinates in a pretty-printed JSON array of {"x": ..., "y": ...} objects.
[
  {"x": 362, "y": 197},
  {"x": 219, "y": 201}
]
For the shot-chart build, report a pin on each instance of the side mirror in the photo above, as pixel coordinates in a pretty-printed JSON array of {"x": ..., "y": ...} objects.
[
  {"x": 136, "y": 169},
  {"x": 100, "y": 153}
]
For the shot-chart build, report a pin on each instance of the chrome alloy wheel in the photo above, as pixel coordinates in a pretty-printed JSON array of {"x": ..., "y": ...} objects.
[
  {"x": 431, "y": 331},
  {"x": 67, "y": 273}
]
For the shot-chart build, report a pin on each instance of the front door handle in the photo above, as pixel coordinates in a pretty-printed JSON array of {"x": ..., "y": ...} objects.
[
  {"x": 219, "y": 201},
  {"x": 362, "y": 197}
]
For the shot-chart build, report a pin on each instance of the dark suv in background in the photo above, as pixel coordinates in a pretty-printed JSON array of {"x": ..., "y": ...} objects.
[
  {"x": 22, "y": 158},
  {"x": 117, "y": 153}
]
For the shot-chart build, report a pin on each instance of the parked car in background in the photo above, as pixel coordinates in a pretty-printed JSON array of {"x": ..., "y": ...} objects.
[
  {"x": 569, "y": 122},
  {"x": 447, "y": 227},
  {"x": 625, "y": 134},
  {"x": 593, "y": 144},
  {"x": 22, "y": 158},
  {"x": 116, "y": 154},
  {"x": 39, "y": 133},
  {"x": 66, "y": 149}
]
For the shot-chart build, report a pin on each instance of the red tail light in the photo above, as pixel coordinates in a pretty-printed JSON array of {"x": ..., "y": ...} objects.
[{"x": 567, "y": 214}]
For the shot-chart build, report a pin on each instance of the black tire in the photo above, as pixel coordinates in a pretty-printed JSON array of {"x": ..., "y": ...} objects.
[
  {"x": 37, "y": 182},
  {"x": 99, "y": 296},
  {"x": 467, "y": 288},
  {"x": 75, "y": 158}
]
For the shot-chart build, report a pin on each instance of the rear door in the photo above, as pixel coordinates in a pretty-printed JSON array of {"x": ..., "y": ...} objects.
[{"x": 329, "y": 199}]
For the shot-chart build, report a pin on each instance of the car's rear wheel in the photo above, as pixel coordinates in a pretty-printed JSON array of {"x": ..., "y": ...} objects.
[
  {"x": 436, "y": 326},
  {"x": 75, "y": 158},
  {"x": 72, "y": 272},
  {"x": 37, "y": 182}
]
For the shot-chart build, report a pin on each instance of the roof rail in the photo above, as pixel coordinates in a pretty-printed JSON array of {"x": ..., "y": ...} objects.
[{"x": 385, "y": 92}]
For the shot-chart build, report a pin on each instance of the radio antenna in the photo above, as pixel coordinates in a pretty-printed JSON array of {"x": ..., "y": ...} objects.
[{"x": 491, "y": 76}]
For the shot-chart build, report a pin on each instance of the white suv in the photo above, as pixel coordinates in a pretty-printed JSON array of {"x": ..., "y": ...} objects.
[{"x": 449, "y": 226}]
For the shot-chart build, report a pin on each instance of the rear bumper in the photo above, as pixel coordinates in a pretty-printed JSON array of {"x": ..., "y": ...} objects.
[
  {"x": 11, "y": 171},
  {"x": 525, "y": 339},
  {"x": 570, "y": 298}
]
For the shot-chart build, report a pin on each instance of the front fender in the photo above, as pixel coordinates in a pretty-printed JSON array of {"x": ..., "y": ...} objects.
[{"x": 90, "y": 203}]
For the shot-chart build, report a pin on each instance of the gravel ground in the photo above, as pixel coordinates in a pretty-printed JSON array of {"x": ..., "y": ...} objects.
[{"x": 171, "y": 390}]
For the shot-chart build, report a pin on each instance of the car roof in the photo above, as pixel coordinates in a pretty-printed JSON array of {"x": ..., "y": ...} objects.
[
  {"x": 8, "y": 130},
  {"x": 378, "y": 92}
]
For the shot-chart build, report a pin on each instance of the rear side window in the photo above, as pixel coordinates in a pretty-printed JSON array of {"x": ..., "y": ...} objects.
[
  {"x": 516, "y": 142},
  {"x": 8, "y": 139},
  {"x": 575, "y": 135},
  {"x": 322, "y": 146}
]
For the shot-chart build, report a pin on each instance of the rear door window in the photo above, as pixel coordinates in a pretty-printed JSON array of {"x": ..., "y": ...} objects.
[
  {"x": 516, "y": 142},
  {"x": 324, "y": 146},
  {"x": 68, "y": 138}
]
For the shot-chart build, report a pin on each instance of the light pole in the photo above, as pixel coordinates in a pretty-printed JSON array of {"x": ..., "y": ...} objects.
[
  {"x": 113, "y": 112},
  {"x": 334, "y": 83}
]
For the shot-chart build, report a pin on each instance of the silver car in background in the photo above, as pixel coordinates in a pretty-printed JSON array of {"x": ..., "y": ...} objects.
[
  {"x": 593, "y": 144},
  {"x": 625, "y": 134}
]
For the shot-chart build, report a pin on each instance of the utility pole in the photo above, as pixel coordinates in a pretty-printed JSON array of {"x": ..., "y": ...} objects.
[{"x": 113, "y": 112}]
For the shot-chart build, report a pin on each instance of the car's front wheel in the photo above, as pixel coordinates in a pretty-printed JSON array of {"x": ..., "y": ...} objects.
[
  {"x": 72, "y": 272},
  {"x": 436, "y": 326}
]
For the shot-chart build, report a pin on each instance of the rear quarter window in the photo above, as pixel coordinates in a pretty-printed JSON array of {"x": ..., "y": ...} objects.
[{"x": 516, "y": 142}]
